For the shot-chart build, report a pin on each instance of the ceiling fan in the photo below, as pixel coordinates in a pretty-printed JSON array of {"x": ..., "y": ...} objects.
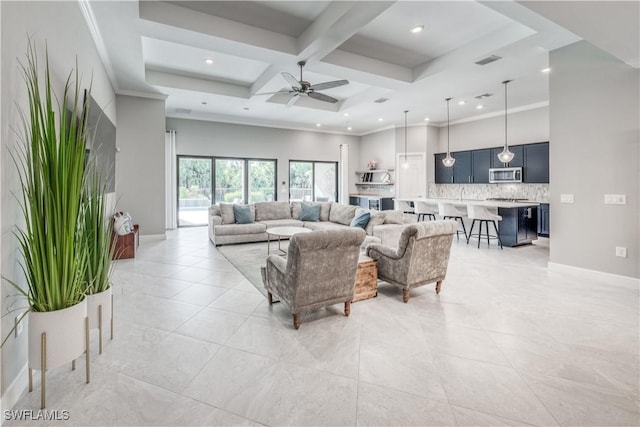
[{"x": 304, "y": 88}]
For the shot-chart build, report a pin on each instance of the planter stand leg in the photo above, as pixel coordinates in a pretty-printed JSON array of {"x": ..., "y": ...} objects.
[
  {"x": 43, "y": 368},
  {"x": 73, "y": 365},
  {"x": 111, "y": 328},
  {"x": 30, "y": 380},
  {"x": 86, "y": 335},
  {"x": 100, "y": 328}
]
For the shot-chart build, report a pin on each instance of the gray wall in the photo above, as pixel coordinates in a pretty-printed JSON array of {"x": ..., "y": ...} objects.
[
  {"x": 62, "y": 27},
  {"x": 594, "y": 130},
  {"x": 140, "y": 174},
  {"x": 195, "y": 137},
  {"x": 523, "y": 127},
  {"x": 379, "y": 146}
]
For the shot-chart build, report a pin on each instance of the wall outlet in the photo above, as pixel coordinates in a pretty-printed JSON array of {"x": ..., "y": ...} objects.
[
  {"x": 615, "y": 199},
  {"x": 621, "y": 252},
  {"x": 566, "y": 198}
]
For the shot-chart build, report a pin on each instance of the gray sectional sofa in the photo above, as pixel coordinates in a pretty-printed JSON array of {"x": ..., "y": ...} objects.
[{"x": 383, "y": 227}]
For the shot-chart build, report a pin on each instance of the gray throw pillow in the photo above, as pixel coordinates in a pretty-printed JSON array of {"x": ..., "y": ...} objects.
[
  {"x": 242, "y": 214},
  {"x": 226, "y": 212},
  {"x": 310, "y": 213},
  {"x": 377, "y": 218}
]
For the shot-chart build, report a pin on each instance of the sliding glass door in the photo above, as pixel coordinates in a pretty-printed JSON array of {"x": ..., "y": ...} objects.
[
  {"x": 261, "y": 180},
  {"x": 313, "y": 181},
  {"x": 194, "y": 190},
  {"x": 229, "y": 182}
]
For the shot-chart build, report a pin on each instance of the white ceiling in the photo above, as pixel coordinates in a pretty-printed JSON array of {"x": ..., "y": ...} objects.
[{"x": 159, "y": 48}]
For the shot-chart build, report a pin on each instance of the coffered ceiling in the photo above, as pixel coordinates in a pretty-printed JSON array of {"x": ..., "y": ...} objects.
[{"x": 160, "y": 48}]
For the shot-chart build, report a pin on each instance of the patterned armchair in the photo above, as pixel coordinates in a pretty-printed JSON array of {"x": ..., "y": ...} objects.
[
  {"x": 320, "y": 270},
  {"x": 421, "y": 257}
]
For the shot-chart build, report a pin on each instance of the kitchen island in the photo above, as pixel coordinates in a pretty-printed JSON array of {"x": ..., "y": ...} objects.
[{"x": 519, "y": 225}]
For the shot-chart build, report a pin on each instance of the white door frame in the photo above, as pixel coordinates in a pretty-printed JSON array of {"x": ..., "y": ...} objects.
[{"x": 422, "y": 173}]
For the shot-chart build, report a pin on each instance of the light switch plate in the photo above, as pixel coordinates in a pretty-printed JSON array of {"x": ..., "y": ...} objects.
[
  {"x": 621, "y": 252},
  {"x": 566, "y": 198},
  {"x": 615, "y": 199}
]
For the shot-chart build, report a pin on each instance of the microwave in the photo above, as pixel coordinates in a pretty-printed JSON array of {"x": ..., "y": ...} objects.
[{"x": 498, "y": 175}]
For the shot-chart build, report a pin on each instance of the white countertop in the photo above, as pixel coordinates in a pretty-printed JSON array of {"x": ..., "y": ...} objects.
[{"x": 464, "y": 202}]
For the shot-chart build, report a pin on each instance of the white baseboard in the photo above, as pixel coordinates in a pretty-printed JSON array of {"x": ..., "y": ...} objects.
[
  {"x": 15, "y": 390},
  {"x": 152, "y": 237},
  {"x": 614, "y": 279}
]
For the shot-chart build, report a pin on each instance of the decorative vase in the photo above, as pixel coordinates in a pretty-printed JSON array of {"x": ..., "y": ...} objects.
[
  {"x": 55, "y": 338},
  {"x": 100, "y": 311}
]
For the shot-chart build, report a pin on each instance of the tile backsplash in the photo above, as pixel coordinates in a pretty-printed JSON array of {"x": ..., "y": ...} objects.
[{"x": 535, "y": 192}]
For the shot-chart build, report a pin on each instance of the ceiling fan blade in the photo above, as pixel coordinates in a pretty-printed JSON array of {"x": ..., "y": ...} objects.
[
  {"x": 329, "y": 85},
  {"x": 322, "y": 97},
  {"x": 292, "y": 100},
  {"x": 273, "y": 93},
  {"x": 291, "y": 80}
]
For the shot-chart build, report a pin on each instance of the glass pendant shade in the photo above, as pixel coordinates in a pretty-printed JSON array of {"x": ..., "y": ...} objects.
[
  {"x": 448, "y": 161},
  {"x": 505, "y": 156}
]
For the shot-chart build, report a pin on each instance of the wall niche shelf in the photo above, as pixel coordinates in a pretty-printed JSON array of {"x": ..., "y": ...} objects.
[{"x": 375, "y": 177}]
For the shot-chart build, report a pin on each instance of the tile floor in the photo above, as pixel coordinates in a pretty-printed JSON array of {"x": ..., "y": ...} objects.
[{"x": 506, "y": 343}]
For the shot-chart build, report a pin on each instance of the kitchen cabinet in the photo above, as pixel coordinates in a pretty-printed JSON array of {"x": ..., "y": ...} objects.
[
  {"x": 444, "y": 175},
  {"x": 519, "y": 226},
  {"x": 518, "y": 157},
  {"x": 536, "y": 163},
  {"x": 480, "y": 163},
  {"x": 462, "y": 169},
  {"x": 543, "y": 220},
  {"x": 372, "y": 202}
]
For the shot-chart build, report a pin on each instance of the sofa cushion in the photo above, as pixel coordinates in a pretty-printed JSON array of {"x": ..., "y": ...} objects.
[
  {"x": 226, "y": 212},
  {"x": 325, "y": 210},
  {"x": 295, "y": 209},
  {"x": 377, "y": 218},
  {"x": 214, "y": 210},
  {"x": 399, "y": 217},
  {"x": 242, "y": 214},
  {"x": 272, "y": 210},
  {"x": 361, "y": 219},
  {"x": 310, "y": 213},
  {"x": 237, "y": 229},
  {"x": 324, "y": 225},
  {"x": 282, "y": 223},
  {"x": 342, "y": 214}
]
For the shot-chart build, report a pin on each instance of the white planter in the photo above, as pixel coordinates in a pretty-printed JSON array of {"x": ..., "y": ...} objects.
[{"x": 65, "y": 335}]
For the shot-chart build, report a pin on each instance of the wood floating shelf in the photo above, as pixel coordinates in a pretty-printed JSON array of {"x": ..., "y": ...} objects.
[
  {"x": 376, "y": 171},
  {"x": 374, "y": 183}
]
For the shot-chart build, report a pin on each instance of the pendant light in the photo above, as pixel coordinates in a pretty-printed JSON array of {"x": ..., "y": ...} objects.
[
  {"x": 505, "y": 156},
  {"x": 448, "y": 161},
  {"x": 405, "y": 164}
]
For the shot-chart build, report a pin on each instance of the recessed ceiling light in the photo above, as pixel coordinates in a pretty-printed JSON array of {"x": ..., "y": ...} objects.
[
  {"x": 349, "y": 128},
  {"x": 208, "y": 61},
  {"x": 318, "y": 125},
  {"x": 426, "y": 119},
  {"x": 346, "y": 114},
  {"x": 417, "y": 29},
  {"x": 546, "y": 70},
  {"x": 246, "y": 108},
  {"x": 204, "y": 102},
  {"x": 462, "y": 102},
  {"x": 479, "y": 107},
  {"x": 380, "y": 119}
]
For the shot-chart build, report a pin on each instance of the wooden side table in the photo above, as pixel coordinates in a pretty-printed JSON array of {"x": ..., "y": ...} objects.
[
  {"x": 366, "y": 279},
  {"x": 126, "y": 245}
]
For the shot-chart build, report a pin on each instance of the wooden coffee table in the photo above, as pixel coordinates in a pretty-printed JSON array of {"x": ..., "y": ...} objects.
[
  {"x": 366, "y": 279},
  {"x": 281, "y": 232}
]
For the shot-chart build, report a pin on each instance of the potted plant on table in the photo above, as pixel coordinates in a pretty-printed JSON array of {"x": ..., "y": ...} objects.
[{"x": 51, "y": 169}]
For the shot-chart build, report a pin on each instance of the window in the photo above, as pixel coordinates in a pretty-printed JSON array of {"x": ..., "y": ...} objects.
[
  {"x": 316, "y": 181},
  {"x": 194, "y": 190},
  {"x": 229, "y": 181},
  {"x": 262, "y": 180}
]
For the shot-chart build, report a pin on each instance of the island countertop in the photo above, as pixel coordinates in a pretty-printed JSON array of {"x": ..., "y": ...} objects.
[{"x": 464, "y": 202}]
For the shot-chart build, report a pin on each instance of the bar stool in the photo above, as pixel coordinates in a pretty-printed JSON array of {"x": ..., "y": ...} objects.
[
  {"x": 423, "y": 210},
  {"x": 404, "y": 206},
  {"x": 480, "y": 213},
  {"x": 448, "y": 211}
]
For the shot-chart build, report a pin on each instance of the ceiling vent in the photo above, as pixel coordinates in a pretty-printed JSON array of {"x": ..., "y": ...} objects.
[
  {"x": 488, "y": 60},
  {"x": 484, "y": 95},
  {"x": 381, "y": 100},
  {"x": 183, "y": 111}
]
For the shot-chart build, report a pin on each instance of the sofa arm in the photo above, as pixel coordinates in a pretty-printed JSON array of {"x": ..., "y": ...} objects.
[{"x": 377, "y": 251}]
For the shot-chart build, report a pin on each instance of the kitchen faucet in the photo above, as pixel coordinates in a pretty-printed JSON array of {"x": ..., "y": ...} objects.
[{"x": 461, "y": 192}]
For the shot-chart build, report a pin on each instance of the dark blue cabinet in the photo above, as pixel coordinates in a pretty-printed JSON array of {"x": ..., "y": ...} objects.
[
  {"x": 536, "y": 163},
  {"x": 543, "y": 220},
  {"x": 462, "y": 168},
  {"x": 518, "y": 157},
  {"x": 444, "y": 175},
  {"x": 480, "y": 162}
]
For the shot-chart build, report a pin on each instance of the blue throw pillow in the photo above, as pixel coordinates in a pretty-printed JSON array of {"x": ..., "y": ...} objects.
[
  {"x": 361, "y": 220},
  {"x": 242, "y": 214},
  {"x": 310, "y": 213}
]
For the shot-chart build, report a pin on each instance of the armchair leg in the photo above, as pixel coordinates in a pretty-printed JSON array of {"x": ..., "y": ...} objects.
[
  {"x": 405, "y": 295},
  {"x": 270, "y": 298},
  {"x": 296, "y": 321},
  {"x": 438, "y": 284},
  {"x": 347, "y": 308}
]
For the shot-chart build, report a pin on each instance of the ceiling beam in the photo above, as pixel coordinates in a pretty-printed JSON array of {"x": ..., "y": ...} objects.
[{"x": 159, "y": 78}]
